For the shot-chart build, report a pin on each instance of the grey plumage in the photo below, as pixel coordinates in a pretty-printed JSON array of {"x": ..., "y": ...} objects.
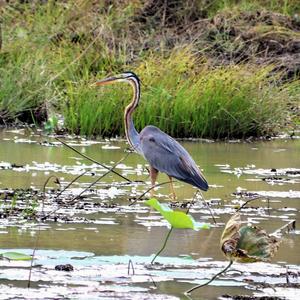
[{"x": 167, "y": 156}]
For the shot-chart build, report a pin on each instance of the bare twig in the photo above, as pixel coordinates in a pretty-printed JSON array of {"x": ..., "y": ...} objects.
[
  {"x": 248, "y": 201},
  {"x": 288, "y": 227},
  {"x": 92, "y": 160},
  {"x": 70, "y": 183},
  {"x": 210, "y": 210},
  {"x": 72, "y": 201},
  {"x": 147, "y": 191}
]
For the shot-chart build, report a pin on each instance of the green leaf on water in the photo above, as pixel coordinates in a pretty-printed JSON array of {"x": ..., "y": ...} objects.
[
  {"x": 177, "y": 219},
  {"x": 14, "y": 256}
]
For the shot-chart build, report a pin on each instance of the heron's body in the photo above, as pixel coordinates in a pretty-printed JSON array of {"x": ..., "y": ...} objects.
[
  {"x": 163, "y": 153},
  {"x": 167, "y": 156}
]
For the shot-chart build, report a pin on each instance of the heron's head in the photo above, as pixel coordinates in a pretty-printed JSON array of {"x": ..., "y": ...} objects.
[{"x": 126, "y": 76}]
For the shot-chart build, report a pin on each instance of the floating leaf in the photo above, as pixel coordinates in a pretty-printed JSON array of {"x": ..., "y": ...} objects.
[
  {"x": 247, "y": 243},
  {"x": 177, "y": 219},
  {"x": 15, "y": 256}
]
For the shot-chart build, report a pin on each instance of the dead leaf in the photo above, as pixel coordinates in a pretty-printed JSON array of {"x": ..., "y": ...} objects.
[{"x": 247, "y": 243}]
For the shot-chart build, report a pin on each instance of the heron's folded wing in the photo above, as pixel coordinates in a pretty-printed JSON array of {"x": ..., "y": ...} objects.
[{"x": 166, "y": 155}]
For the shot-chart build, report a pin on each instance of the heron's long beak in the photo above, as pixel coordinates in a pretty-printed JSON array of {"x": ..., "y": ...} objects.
[{"x": 105, "y": 81}]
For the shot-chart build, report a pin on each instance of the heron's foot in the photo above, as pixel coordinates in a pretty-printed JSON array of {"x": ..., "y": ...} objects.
[{"x": 172, "y": 197}]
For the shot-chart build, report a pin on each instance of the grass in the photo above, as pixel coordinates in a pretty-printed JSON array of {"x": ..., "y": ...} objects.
[
  {"x": 51, "y": 54},
  {"x": 23, "y": 92},
  {"x": 287, "y": 7},
  {"x": 185, "y": 99}
]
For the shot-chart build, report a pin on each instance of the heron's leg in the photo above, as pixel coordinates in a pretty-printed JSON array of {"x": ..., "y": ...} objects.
[
  {"x": 153, "y": 176},
  {"x": 172, "y": 188}
]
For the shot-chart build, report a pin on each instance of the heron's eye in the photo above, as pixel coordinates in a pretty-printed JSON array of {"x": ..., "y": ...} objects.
[{"x": 152, "y": 140}]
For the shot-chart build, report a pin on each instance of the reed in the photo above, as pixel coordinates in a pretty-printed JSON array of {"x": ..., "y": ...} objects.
[{"x": 184, "y": 97}]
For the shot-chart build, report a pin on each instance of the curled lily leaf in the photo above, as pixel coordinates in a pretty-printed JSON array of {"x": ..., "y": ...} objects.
[
  {"x": 247, "y": 243},
  {"x": 177, "y": 219}
]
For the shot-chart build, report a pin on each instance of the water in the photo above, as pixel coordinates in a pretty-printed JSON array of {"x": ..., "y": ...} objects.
[{"x": 102, "y": 232}]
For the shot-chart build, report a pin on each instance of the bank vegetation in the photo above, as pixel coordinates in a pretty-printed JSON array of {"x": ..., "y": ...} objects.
[{"x": 213, "y": 69}]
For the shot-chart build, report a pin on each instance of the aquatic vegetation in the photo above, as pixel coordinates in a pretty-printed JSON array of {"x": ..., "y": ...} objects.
[
  {"x": 131, "y": 232},
  {"x": 244, "y": 244},
  {"x": 185, "y": 98},
  {"x": 247, "y": 243},
  {"x": 14, "y": 256},
  {"x": 177, "y": 219},
  {"x": 88, "y": 267}
]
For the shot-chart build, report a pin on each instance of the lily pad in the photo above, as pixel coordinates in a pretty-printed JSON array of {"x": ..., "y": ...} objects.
[
  {"x": 247, "y": 243},
  {"x": 15, "y": 256},
  {"x": 177, "y": 219}
]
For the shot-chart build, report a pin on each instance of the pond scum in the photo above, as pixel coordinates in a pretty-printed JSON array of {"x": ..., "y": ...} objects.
[{"x": 229, "y": 69}]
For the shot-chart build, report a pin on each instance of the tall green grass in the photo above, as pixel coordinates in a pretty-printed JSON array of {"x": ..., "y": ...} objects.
[
  {"x": 51, "y": 54},
  {"x": 23, "y": 90},
  {"x": 42, "y": 51},
  {"x": 185, "y": 98}
]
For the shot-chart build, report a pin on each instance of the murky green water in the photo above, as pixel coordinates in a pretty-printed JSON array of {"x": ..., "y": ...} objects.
[{"x": 117, "y": 232}]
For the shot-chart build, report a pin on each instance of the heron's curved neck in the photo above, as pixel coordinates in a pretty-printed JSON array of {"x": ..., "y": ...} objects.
[{"x": 131, "y": 133}]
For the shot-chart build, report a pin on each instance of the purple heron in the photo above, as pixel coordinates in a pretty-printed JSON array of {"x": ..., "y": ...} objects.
[{"x": 163, "y": 153}]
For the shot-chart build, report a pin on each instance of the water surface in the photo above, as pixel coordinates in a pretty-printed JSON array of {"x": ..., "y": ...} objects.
[{"x": 100, "y": 237}]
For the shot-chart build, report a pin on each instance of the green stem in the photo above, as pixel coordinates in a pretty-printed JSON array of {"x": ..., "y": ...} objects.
[
  {"x": 209, "y": 281},
  {"x": 164, "y": 245}
]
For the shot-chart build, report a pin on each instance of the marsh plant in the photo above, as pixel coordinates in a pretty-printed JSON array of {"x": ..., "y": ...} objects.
[
  {"x": 184, "y": 97},
  {"x": 201, "y": 76}
]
